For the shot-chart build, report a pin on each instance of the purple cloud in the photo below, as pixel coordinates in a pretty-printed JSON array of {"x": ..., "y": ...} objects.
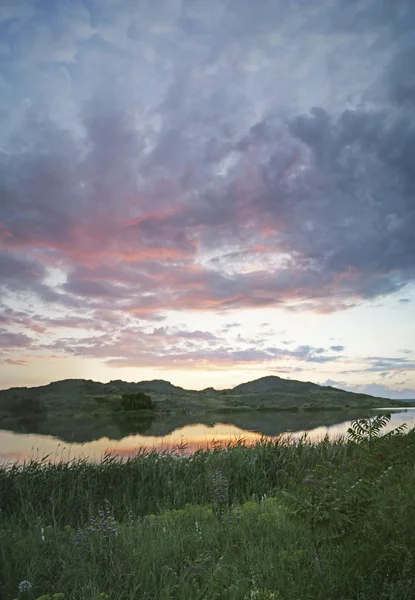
[
  {"x": 14, "y": 340},
  {"x": 204, "y": 157}
]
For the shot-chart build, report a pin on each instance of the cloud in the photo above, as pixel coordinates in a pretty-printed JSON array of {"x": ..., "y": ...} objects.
[
  {"x": 383, "y": 391},
  {"x": 179, "y": 348},
  {"x": 14, "y": 340},
  {"x": 402, "y": 84},
  {"x": 314, "y": 355},
  {"x": 218, "y": 358},
  {"x": 379, "y": 364},
  {"x": 14, "y": 361},
  {"x": 230, "y": 326},
  {"x": 20, "y": 272},
  {"x": 180, "y": 334},
  {"x": 326, "y": 251},
  {"x": 374, "y": 389},
  {"x": 333, "y": 383},
  {"x": 204, "y": 156}
]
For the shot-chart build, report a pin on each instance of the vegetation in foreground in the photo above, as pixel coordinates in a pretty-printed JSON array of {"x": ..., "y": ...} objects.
[
  {"x": 293, "y": 522},
  {"x": 81, "y": 410}
]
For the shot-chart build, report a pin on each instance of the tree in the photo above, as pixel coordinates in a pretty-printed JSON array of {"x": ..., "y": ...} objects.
[{"x": 136, "y": 401}]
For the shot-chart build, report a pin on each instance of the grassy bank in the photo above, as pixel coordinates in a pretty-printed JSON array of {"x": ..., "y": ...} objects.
[{"x": 292, "y": 522}]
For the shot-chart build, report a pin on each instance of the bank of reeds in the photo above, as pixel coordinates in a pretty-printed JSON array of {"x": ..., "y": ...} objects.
[
  {"x": 63, "y": 493},
  {"x": 277, "y": 520}
]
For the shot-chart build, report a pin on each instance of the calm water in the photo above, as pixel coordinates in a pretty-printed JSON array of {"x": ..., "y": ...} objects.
[{"x": 168, "y": 434}]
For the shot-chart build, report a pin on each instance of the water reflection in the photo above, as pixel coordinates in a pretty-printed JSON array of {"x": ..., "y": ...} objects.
[{"x": 17, "y": 447}]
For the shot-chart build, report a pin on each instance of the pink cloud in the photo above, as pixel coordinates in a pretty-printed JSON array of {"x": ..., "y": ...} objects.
[{"x": 108, "y": 234}]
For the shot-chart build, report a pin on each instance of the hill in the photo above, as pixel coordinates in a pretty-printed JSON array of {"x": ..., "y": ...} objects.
[
  {"x": 82, "y": 410},
  {"x": 273, "y": 383}
]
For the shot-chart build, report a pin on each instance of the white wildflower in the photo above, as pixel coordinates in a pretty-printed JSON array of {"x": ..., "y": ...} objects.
[{"x": 25, "y": 586}]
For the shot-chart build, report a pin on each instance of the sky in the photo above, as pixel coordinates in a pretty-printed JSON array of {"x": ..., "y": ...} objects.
[{"x": 208, "y": 191}]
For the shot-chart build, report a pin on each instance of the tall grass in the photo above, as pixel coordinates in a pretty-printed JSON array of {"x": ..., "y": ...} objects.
[
  {"x": 63, "y": 493},
  {"x": 278, "y": 520}
]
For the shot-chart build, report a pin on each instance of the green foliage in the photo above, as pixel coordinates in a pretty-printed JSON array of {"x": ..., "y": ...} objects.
[
  {"x": 335, "y": 500},
  {"x": 28, "y": 405},
  {"x": 136, "y": 401},
  {"x": 28, "y": 413},
  {"x": 152, "y": 481},
  {"x": 364, "y": 431},
  {"x": 315, "y": 521}
]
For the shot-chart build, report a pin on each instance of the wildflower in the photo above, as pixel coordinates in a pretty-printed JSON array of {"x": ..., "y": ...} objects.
[
  {"x": 104, "y": 523},
  {"x": 80, "y": 540},
  {"x": 220, "y": 487},
  {"x": 42, "y": 534},
  {"x": 25, "y": 586},
  {"x": 131, "y": 517}
]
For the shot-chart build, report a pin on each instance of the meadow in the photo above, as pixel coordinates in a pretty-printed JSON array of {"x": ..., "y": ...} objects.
[{"x": 293, "y": 521}]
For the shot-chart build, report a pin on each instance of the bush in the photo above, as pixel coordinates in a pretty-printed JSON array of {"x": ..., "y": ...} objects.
[{"x": 136, "y": 401}]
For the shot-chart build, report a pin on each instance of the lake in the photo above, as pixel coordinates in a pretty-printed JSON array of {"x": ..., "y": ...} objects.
[{"x": 190, "y": 433}]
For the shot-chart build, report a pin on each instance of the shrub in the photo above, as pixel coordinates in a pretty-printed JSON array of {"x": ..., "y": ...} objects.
[{"x": 136, "y": 401}]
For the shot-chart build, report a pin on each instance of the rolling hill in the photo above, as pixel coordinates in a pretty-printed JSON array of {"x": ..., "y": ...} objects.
[
  {"x": 273, "y": 383},
  {"x": 86, "y": 409}
]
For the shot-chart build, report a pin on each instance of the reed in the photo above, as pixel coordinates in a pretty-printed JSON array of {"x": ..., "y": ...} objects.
[{"x": 292, "y": 521}]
